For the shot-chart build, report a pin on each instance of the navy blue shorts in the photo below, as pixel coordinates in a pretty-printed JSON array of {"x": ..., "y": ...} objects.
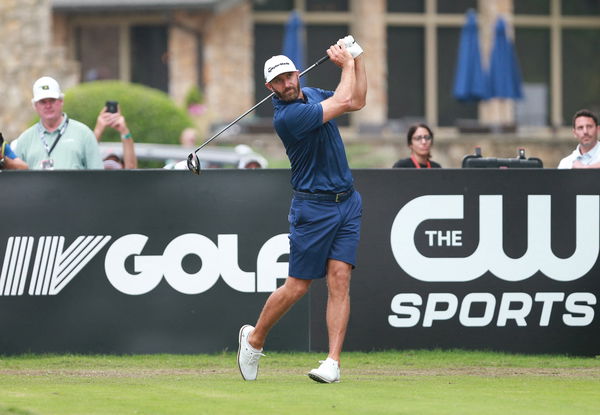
[{"x": 322, "y": 230}]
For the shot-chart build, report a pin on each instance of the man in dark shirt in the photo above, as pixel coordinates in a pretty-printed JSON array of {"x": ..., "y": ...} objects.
[{"x": 326, "y": 211}]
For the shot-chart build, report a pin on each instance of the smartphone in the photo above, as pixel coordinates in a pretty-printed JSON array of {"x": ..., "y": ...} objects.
[{"x": 112, "y": 106}]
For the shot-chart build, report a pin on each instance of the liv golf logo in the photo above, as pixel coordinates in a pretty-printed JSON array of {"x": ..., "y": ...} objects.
[{"x": 54, "y": 266}]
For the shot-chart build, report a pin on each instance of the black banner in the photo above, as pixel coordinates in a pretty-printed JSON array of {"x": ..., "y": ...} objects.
[{"x": 166, "y": 261}]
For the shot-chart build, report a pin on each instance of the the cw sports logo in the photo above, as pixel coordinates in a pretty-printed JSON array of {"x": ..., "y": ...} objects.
[
  {"x": 52, "y": 266},
  {"x": 479, "y": 309},
  {"x": 489, "y": 255}
]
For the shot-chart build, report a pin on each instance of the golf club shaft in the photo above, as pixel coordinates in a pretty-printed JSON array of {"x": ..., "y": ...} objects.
[{"x": 317, "y": 63}]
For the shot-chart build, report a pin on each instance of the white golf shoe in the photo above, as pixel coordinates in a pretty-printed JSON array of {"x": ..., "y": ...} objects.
[
  {"x": 328, "y": 372},
  {"x": 248, "y": 356}
]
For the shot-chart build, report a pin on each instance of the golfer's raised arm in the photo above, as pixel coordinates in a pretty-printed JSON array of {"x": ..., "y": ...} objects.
[
  {"x": 360, "y": 86},
  {"x": 350, "y": 93}
]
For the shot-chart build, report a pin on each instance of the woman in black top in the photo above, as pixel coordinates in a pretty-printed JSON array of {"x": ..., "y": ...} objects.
[{"x": 420, "y": 141}]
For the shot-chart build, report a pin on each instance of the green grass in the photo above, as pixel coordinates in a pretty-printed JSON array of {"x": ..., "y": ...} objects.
[{"x": 394, "y": 382}]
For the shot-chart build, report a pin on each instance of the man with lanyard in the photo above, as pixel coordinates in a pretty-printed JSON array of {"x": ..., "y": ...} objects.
[
  {"x": 326, "y": 211},
  {"x": 56, "y": 142}
]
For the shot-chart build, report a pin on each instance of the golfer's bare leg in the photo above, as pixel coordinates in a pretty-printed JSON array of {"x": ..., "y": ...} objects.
[
  {"x": 278, "y": 303},
  {"x": 338, "y": 305}
]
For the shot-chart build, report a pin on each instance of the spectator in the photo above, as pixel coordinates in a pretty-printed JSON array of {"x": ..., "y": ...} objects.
[
  {"x": 113, "y": 162},
  {"x": 587, "y": 153},
  {"x": 56, "y": 141},
  {"x": 420, "y": 140},
  {"x": 252, "y": 164},
  {"x": 188, "y": 138},
  {"x": 249, "y": 159},
  {"x": 116, "y": 121},
  {"x": 8, "y": 159}
]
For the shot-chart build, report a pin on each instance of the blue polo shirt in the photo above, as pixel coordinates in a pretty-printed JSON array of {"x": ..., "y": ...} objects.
[{"x": 315, "y": 150}]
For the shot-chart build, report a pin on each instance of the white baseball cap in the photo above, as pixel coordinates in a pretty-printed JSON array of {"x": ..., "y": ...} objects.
[
  {"x": 46, "y": 87},
  {"x": 276, "y": 65}
]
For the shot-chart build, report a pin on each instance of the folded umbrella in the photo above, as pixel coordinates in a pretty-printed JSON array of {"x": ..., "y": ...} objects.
[
  {"x": 293, "y": 40},
  {"x": 504, "y": 79},
  {"x": 469, "y": 80}
]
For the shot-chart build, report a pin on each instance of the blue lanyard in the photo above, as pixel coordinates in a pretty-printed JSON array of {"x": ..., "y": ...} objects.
[{"x": 60, "y": 134}]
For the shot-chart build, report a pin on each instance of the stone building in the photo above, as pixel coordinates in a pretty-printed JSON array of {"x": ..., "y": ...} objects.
[
  {"x": 411, "y": 48},
  {"x": 27, "y": 54}
]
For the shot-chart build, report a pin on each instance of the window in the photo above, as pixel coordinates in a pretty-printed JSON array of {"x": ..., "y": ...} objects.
[
  {"x": 96, "y": 52},
  {"x": 326, "y": 76},
  {"x": 406, "y": 81},
  {"x": 581, "y": 83},
  {"x": 318, "y": 39},
  {"x": 541, "y": 7},
  {"x": 556, "y": 43},
  {"x": 268, "y": 41},
  {"x": 406, "y": 6},
  {"x": 449, "y": 108},
  {"x": 422, "y": 54},
  {"x": 581, "y": 7},
  {"x": 455, "y": 6},
  {"x": 327, "y": 5},
  {"x": 532, "y": 46},
  {"x": 571, "y": 34},
  {"x": 149, "y": 58}
]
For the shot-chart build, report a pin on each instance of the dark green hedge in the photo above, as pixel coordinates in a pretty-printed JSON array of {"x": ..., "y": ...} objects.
[{"x": 151, "y": 115}]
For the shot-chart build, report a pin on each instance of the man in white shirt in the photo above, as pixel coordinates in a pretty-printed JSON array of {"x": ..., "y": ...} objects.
[{"x": 587, "y": 153}]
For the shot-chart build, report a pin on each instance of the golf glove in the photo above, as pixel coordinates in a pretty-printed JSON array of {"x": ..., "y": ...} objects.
[{"x": 351, "y": 46}]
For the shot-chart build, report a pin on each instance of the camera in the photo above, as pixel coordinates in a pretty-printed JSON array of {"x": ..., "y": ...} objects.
[{"x": 112, "y": 106}]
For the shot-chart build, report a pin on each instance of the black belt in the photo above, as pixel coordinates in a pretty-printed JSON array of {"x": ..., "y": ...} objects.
[{"x": 326, "y": 197}]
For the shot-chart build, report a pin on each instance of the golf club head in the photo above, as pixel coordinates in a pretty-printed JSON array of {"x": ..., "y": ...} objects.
[{"x": 193, "y": 163}]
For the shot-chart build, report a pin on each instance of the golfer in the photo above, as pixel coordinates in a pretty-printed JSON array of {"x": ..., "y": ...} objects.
[{"x": 325, "y": 213}]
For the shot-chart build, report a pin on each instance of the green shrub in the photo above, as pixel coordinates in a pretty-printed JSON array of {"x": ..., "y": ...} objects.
[
  {"x": 151, "y": 115},
  {"x": 193, "y": 96}
]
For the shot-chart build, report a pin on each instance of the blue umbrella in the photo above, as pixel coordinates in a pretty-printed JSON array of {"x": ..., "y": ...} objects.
[
  {"x": 504, "y": 73},
  {"x": 293, "y": 40},
  {"x": 469, "y": 80}
]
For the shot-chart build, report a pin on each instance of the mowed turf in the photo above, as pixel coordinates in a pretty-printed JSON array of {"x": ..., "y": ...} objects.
[{"x": 393, "y": 382}]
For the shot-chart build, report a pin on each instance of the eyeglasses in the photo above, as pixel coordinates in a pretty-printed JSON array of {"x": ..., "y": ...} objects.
[{"x": 422, "y": 138}]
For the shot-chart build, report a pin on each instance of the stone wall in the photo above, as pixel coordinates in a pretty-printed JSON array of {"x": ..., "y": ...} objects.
[
  {"x": 381, "y": 151},
  {"x": 228, "y": 57},
  {"x": 184, "y": 45},
  {"x": 370, "y": 29},
  {"x": 27, "y": 55},
  {"x": 495, "y": 111},
  {"x": 225, "y": 40},
  {"x": 450, "y": 152}
]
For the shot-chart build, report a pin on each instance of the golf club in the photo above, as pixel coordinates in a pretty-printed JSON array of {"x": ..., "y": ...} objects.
[{"x": 193, "y": 162}]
